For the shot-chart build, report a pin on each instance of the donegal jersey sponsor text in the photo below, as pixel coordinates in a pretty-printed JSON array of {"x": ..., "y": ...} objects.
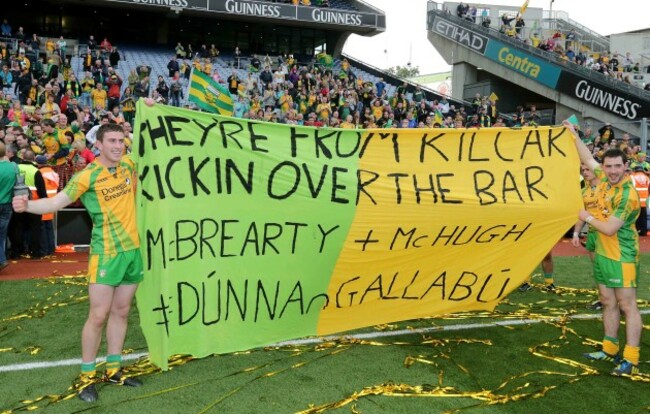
[{"x": 109, "y": 197}]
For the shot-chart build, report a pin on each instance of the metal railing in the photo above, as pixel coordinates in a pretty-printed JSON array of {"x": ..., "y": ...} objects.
[
  {"x": 432, "y": 5},
  {"x": 548, "y": 56},
  {"x": 561, "y": 15},
  {"x": 597, "y": 45},
  {"x": 594, "y": 45}
]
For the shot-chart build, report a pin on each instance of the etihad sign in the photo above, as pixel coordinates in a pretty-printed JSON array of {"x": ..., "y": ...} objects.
[{"x": 461, "y": 35}]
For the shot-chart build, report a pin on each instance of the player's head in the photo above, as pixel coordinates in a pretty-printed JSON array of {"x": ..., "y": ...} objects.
[
  {"x": 104, "y": 129},
  {"x": 614, "y": 165},
  {"x": 110, "y": 142}
]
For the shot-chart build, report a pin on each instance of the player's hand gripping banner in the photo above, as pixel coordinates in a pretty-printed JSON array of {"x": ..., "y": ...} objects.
[{"x": 254, "y": 233}]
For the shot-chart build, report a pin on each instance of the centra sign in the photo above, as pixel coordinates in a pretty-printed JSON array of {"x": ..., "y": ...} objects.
[{"x": 523, "y": 63}]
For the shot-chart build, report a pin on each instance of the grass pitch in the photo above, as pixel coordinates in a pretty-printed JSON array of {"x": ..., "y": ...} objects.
[{"x": 516, "y": 368}]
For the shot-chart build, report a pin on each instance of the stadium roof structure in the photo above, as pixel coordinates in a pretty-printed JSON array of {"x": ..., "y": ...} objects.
[
  {"x": 358, "y": 17},
  {"x": 639, "y": 31}
]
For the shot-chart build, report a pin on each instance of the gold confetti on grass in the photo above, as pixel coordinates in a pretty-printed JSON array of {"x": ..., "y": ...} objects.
[{"x": 436, "y": 351}]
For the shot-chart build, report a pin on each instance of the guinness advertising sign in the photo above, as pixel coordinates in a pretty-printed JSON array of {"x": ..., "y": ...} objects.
[
  {"x": 334, "y": 16},
  {"x": 253, "y": 8},
  {"x": 617, "y": 102},
  {"x": 182, "y": 4},
  {"x": 272, "y": 10}
]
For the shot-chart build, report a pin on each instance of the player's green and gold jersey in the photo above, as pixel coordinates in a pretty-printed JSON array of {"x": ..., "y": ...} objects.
[
  {"x": 590, "y": 199},
  {"x": 621, "y": 201},
  {"x": 109, "y": 197}
]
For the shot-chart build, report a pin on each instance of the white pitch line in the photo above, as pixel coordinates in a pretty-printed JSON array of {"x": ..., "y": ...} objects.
[
  {"x": 372, "y": 335},
  {"x": 59, "y": 363},
  {"x": 309, "y": 341}
]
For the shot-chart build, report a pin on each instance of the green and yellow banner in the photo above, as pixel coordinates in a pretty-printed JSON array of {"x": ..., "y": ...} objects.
[{"x": 254, "y": 233}]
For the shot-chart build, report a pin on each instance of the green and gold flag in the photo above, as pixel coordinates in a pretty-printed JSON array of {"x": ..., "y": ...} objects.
[
  {"x": 325, "y": 60},
  {"x": 209, "y": 95}
]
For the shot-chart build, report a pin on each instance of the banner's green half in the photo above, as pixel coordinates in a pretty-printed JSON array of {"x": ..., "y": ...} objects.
[{"x": 241, "y": 224}]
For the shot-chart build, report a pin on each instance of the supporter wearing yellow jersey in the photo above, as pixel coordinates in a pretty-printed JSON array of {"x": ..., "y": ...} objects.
[
  {"x": 107, "y": 189},
  {"x": 590, "y": 200},
  {"x": 207, "y": 67},
  {"x": 348, "y": 123},
  {"x": 56, "y": 145},
  {"x": 377, "y": 109},
  {"x": 324, "y": 109},
  {"x": 99, "y": 96}
]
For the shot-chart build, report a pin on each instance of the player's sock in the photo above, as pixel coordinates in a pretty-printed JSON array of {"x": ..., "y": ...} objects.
[
  {"x": 548, "y": 278},
  {"x": 631, "y": 353},
  {"x": 610, "y": 345},
  {"x": 113, "y": 363},
  {"x": 88, "y": 370}
]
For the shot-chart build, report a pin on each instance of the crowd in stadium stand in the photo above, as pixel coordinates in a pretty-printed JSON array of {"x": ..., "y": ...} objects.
[
  {"x": 568, "y": 48},
  {"x": 566, "y": 45},
  {"x": 49, "y": 116}
]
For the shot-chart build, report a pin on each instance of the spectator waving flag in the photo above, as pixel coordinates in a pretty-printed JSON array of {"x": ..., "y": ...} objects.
[
  {"x": 523, "y": 8},
  {"x": 324, "y": 59},
  {"x": 209, "y": 95}
]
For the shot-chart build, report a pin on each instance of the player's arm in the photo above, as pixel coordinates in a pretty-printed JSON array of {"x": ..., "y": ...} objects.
[
  {"x": 608, "y": 228},
  {"x": 583, "y": 151},
  {"x": 22, "y": 204},
  {"x": 575, "y": 240}
]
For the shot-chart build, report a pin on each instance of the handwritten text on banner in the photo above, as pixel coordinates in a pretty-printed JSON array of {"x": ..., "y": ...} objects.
[{"x": 253, "y": 233}]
